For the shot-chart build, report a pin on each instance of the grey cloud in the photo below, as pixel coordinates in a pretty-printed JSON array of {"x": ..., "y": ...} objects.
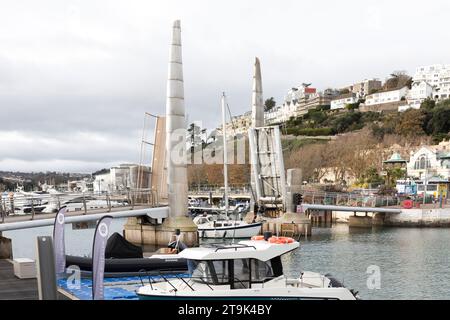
[{"x": 72, "y": 67}]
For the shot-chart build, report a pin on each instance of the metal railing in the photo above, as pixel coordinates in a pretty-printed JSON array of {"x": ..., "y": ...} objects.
[
  {"x": 360, "y": 198},
  {"x": 219, "y": 189},
  {"x": 348, "y": 199},
  {"x": 32, "y": 204}
]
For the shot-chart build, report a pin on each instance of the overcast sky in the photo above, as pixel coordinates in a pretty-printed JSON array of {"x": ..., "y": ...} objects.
[{"x": 77, "y": 76}]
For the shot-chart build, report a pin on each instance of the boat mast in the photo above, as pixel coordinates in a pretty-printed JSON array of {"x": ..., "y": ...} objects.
[{"x": 225, "y": 154}]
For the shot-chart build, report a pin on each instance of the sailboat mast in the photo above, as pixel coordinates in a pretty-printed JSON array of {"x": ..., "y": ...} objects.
[{"x": 225, "y": 153}]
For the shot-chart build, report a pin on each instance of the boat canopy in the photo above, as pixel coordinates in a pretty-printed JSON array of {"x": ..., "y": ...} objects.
[{"x": 260, "y": 250}]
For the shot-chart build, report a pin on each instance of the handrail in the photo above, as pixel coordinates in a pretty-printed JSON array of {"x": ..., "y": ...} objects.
[
  {"x": 181, "y": 278},
  {"x": 170, "y": 283},
  {"x": 33, "y": 204},
  {"x": 150, "y": 281},
  {"x": 235, "y": 247}
]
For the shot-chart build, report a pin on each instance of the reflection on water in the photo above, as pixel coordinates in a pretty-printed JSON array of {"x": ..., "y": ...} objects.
[{"x": 413, "y": 262}]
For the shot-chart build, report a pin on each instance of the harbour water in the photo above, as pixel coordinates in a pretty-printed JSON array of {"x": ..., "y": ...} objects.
[{"x": 413, "y": 262}]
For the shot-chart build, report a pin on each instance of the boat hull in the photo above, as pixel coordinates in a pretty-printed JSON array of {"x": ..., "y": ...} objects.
[{"x": 268, "y": 294}]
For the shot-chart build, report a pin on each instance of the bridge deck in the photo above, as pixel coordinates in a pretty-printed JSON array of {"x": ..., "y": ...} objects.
[{"x": 42, "y": 216}]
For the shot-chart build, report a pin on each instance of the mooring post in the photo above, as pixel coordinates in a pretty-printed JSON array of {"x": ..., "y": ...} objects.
[
  {"x": 32, "y": 209},
  {"x": 45, "y": 266},
  {"x": 3, "y": 216},
  {"x": 84, "y": 204},
  {"x": 11, "y": 204},
  {"x": 108, "y": 201}
]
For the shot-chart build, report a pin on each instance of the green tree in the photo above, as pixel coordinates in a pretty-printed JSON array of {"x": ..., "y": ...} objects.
[
  {"x": 440, "y": 120},
  {"x": 428, "y": 104},
  {"x": 352, "y": 106},
  {"x": 394, "y": 174},
  {"x": 347, "y": 122},
  {"x": 371, "y": 177},
  {"x": 269, "y": 104}
]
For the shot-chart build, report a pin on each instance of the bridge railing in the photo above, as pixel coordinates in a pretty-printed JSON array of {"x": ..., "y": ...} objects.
[
  {"x": 348, "y": 199},
  {"x": 361, "y": 198},
  {"x": 219, "y": 189},
  {"x": 34, "y": 203}
]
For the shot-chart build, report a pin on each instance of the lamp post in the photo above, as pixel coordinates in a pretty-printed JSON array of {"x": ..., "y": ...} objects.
[{"x": 425, "y": 180}]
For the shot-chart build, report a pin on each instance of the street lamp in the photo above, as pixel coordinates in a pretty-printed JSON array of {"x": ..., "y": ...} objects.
[{"x": 425, "y": 180}]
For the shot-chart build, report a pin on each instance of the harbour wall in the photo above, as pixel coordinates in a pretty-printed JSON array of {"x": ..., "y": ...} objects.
[
  {"x": 415, "y": 218},
  {"x": 418, "y": 218}
]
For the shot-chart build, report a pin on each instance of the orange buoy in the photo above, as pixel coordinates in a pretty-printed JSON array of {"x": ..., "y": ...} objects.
[
  {"x": 257, "y": 238},
  {"x": 281, "y": 240}
]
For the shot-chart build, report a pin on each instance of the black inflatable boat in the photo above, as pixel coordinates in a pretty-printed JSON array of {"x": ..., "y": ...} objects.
[{"x": 124, "y": 258}]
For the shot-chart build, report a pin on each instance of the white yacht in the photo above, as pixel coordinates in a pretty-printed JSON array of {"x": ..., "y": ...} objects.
[
  {"x": 250, "y": 270},
  {"x": 213, "y": 226}
]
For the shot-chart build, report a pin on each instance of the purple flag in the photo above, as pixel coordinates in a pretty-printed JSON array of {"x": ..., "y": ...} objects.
[
  {"x": 58, "y": 239},
  {"x": 98, "y": 256}
]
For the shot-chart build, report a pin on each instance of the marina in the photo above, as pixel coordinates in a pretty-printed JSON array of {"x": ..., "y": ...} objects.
[
  {"x": 329, "y": 250},
  {"x": 333, "y": 193}
]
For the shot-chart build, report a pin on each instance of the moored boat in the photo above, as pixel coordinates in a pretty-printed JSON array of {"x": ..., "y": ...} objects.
[
  {"x": 248, "y": 270},
  {"x": 225, "y": 227}
]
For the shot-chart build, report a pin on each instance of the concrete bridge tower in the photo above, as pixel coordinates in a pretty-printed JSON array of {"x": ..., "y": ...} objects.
[
  {"x": 257, "y": 97},
  {"x": 176, "y": 153}
]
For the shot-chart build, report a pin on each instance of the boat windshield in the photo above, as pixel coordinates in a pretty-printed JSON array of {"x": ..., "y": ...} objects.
[{"x": 216, "y": 272}]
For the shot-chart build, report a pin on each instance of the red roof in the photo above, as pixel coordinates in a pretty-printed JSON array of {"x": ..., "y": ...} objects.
[{"x": 310, "y": 90}]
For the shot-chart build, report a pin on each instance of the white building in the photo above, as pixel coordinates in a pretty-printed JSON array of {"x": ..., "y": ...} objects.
[
  {"x": 298, "y": 101},
  {"x": 103, "y": 183},
  {"x": 123, "y": 177},
  {"x": 387, "y": 96},
  {"x": 273, "y": 116},
  {"x": 430, "y": 161},
  {"x": 238, "y": 126},
  {"x": 343, "y": 100},
  {"x": 419, "y": 92},
  {"x": 438, "y": 76}
]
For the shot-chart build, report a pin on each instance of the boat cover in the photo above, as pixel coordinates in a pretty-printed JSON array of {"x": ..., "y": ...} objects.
[{"x": 118, "y": 247}]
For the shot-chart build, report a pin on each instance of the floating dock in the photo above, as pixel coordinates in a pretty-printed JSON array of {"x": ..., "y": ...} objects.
[{"x": 117, "y": 288}]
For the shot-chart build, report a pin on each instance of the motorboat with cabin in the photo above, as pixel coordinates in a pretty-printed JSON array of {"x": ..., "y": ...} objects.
[{"x": 250, "y": 270}]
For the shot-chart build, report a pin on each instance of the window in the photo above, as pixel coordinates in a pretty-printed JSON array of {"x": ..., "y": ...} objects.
[
  {"x": 216, "y": 271},
  {"x": 422, "y": 163}
]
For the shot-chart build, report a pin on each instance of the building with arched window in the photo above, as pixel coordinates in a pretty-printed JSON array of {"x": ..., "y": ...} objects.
[
  {"x": 430, "y": 161},
  {"x": 430, "y": 166}
]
